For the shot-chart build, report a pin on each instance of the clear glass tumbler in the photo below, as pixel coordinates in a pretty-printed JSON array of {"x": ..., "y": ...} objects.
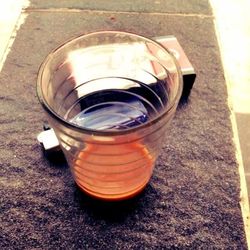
[{"x": 109, "y": 97}]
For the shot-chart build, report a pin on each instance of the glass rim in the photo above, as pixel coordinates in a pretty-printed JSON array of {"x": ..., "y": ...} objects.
[{"x": 81, "y": 129}]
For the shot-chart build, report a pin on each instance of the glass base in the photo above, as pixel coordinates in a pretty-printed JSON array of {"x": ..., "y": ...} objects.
[{"x": 113, "y": 197}]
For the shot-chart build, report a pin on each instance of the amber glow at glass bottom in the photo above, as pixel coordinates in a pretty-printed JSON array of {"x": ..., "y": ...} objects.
[{"x": 113, "y": 172}]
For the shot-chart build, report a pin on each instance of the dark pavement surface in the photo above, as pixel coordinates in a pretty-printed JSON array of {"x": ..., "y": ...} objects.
[
  {"x": 160, "y": 6},
  {"x": 192, "y": 200}
]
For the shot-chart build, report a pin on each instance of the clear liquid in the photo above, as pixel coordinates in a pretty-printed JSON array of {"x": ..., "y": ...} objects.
[{"x": 123, "y": 108}]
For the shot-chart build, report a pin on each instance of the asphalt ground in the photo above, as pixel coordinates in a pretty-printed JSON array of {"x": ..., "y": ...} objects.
[{"x": 192, "y": 200}]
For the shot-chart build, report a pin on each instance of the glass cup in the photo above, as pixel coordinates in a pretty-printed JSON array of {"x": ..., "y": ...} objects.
[{"x": 109, "y": 96}]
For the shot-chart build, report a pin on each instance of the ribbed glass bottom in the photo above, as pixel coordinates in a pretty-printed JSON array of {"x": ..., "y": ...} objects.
[
  {"x": 114, "y": 197},
  {"x": 113, "y": 173}
]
